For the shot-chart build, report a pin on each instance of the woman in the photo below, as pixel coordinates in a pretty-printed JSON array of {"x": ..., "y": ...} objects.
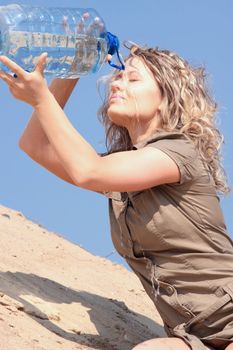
[{"x": 161, "y": 174}]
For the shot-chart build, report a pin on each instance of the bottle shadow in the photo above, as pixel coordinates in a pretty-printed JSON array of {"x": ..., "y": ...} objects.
[{"x": 118, "y": 327}]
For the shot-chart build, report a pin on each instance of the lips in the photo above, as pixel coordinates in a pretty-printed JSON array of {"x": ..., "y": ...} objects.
[{"x": 116, "y": 97}]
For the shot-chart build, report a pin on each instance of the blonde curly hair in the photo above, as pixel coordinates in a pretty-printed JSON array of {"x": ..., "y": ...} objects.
[{"x": 187, "y": 107}]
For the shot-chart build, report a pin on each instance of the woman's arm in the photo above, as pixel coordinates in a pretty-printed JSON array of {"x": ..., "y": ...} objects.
[
  {"x": 35, "y": 142},
  {"x": 122, "y": 171}
]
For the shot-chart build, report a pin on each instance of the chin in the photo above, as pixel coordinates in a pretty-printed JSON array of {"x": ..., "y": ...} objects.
[{"x": 116, "y": 118}]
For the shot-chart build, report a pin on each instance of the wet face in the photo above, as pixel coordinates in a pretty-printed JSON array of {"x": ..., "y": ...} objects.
[{"x": 134, "y": 95}]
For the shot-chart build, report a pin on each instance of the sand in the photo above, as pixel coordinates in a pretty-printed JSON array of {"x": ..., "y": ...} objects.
[{"x": 55, "y": 295}]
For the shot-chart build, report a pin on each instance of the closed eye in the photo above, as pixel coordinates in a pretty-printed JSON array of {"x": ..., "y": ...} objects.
[
  {"x": 134, "y": 76},
  {"x": 134, "y": 79}
]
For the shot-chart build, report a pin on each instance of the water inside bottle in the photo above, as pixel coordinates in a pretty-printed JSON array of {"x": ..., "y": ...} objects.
[{"x": 68, "y": 55}]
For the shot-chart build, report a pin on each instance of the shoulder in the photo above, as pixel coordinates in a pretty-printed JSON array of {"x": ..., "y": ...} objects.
[
  {"x": 165, "y": 140},
  {"x": 181, "y": 149}
]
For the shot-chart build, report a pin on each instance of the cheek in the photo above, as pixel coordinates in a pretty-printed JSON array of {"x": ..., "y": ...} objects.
[{"x": 148, "y": 101}]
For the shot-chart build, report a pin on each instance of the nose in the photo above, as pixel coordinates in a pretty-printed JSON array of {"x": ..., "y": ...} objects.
[{"x": 118, "y": 84}]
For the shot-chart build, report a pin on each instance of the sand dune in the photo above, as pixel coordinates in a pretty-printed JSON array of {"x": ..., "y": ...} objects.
[{"x": 56, "y": 295}]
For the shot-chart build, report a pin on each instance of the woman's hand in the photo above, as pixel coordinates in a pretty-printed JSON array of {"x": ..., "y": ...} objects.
[{"x": 28, "y": 87}]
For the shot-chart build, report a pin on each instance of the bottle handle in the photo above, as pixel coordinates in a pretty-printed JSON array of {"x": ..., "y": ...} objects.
[{"x": 113, "y": 47}]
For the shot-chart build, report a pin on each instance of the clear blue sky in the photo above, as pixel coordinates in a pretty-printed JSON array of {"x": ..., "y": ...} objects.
[{"x": 199, "y": 30}]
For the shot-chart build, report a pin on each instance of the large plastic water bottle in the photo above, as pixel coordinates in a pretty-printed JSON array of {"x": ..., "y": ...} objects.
[{"x": 76, "y": 40}]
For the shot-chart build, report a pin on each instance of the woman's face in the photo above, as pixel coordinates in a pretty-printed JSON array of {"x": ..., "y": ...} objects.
[{"x": 134, "y": 95}]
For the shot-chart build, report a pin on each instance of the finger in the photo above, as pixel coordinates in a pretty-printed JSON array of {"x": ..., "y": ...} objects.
[
  {"x": 41, "y": 63},
  {"x": 7, "y": 78},
  {"x": 12, "y": 66}
]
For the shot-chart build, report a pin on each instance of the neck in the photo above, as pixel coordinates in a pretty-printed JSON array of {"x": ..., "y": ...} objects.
[{"x": 141, "y": 131}]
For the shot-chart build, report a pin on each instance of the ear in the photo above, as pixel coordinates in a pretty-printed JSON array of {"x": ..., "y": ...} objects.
[{"x": 163, "y": 104}]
